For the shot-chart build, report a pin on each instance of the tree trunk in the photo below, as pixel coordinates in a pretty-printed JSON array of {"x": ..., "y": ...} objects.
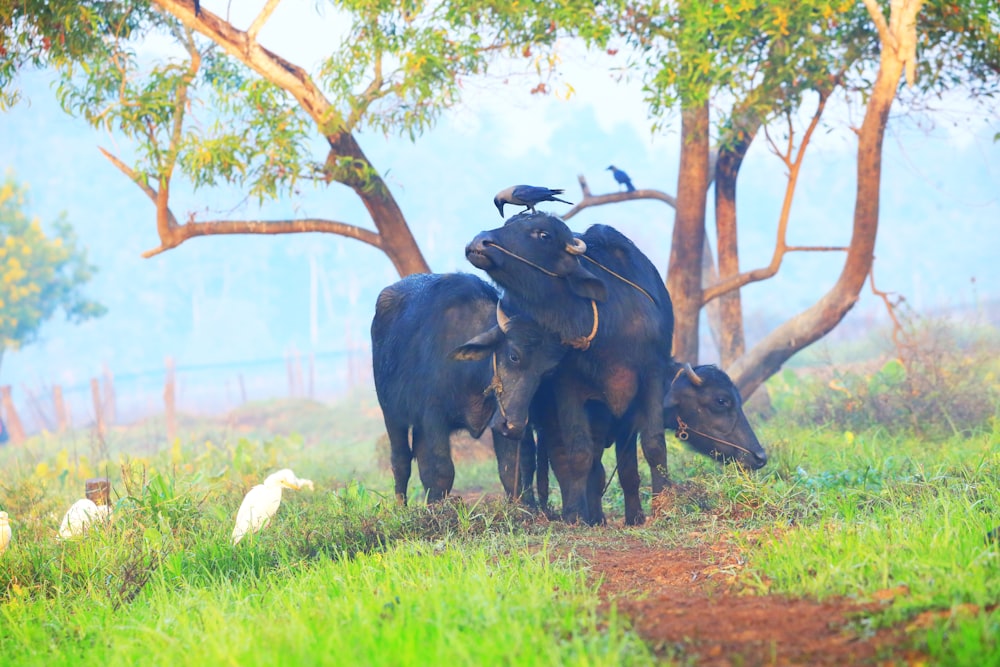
[
  {"x": 397, "y": 240},
  {"x": 766, "y": 358},
  {"x": 687, "y": 245},
  {"x": 731, "y": 341}
]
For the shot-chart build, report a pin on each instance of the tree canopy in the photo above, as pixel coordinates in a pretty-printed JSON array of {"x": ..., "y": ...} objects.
[{"x": 40, "y": 273}]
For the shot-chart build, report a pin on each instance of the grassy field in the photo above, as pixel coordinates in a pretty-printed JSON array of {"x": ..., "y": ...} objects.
[{"x": 343, "y": 576}]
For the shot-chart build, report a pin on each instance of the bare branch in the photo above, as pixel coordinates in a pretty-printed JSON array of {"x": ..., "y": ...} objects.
[
  {"x": 589, "y": 200},
  {"x": 180, "y": 102},
  {"x": 816, "y": 248},
  {"x": 371, "y": 93},
  {"x": 880, "y": 24},
  {"x": 133, "y": 175},
  {"x": 261, "y": 19},
  {"x": 780, "y": 244},
  {"x": 271, "y": 66},
  {"x": 223, "y": 227}
]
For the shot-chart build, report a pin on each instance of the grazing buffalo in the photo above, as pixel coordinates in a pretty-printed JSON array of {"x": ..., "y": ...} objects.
[
  {"x": 606, "y": 301},
  {"x": 705, "y": 408},
  {"x": 704, "y": 395},
  {"x": 446, "y": 357}
]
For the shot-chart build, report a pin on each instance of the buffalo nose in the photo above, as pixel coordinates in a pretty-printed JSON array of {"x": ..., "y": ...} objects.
[{"x": 761, "y": 460}]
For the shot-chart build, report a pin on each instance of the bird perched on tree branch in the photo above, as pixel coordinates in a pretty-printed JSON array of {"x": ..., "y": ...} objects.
[
  {"x": 526, "y": 196},
  {"x": 622, "y": 178}
]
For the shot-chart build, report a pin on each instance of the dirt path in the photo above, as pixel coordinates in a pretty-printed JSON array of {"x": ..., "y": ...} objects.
[{"x": 684, "y": 604}]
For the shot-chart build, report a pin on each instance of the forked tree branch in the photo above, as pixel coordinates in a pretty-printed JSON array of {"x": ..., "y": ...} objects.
[
  {"x": 261, "y": 19},
  {"x": 177, "y": 233},
  {"x": 589, "y": 200},
  {"x": 781, "y": 246}
]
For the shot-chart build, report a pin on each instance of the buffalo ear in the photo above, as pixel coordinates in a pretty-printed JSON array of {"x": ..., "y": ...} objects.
[
  {"x": 584, "y": 283},
  {"x": 670, "y": 400},
  {"x": 478, "y": 347}
]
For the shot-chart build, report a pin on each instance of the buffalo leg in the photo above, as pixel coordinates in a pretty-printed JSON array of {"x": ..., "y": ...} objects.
[
  {"x": 628, "y": 476},
  {"x": 595, "y": 490},
  {"x": 572, "y": 461},
  {"x": 401, "y": 458},
  {"x": 654, "y": 444},
  {"x": 437, "y": 472},
  {"x": 516, "y": 467},
  {"x": 527, "y": 477}
]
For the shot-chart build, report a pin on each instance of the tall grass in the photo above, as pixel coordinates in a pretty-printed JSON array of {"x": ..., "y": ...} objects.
[{"x": 414, "y": 604}]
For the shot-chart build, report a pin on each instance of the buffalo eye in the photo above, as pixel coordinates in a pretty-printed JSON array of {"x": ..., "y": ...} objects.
[
  {"x": 543, "y": 235},
  {"x": 514, "y": 357},
  {"x": 722, "y": 401}
]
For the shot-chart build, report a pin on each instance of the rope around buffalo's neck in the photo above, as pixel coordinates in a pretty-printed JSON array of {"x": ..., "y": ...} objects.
[{"x": 620, "y": 277}]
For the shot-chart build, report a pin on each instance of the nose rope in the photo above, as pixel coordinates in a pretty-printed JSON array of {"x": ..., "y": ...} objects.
[
  {"x": 683, "y": 434},
  {"x": 580, "y": 342},
  {"x": 496, "y": 388},
  {"x": 523, "y": 259}
]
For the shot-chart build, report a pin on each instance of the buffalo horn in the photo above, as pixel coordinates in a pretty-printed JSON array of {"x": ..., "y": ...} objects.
[
  {"x": 694, "y": 377},
  {"x": 502, "y": 320},
  {"x": 577, "y": 247}
]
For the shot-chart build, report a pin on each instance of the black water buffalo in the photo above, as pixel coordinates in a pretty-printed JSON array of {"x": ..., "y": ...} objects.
[
  {"x": 705, "y": 408},
  {"x": 445, "y": 357},
  {"x": 611, "y": 307},
  {"x": 705, "y": 396},
  {"x": 602, "y": 295}
]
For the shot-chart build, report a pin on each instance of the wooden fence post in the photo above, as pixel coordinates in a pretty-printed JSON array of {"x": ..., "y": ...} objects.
[
  {"x": 11, "y": 420},
  {"x": 109, "y": 396},
  {"x": 95, "y": 393},
  {"x": 98, "y": 489},
  {"x": 170, "y": 400},
  {"x": 62, "y": 417},
  {"x": 312, "y": 375}
]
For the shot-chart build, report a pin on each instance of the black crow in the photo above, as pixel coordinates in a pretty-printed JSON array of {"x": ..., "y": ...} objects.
[
  {"x": 526, "y": 196},
  {"x": 622, "y": 178}
]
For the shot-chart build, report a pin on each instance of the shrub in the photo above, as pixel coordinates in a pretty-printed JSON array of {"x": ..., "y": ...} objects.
[{"x": 941, "y": 379}]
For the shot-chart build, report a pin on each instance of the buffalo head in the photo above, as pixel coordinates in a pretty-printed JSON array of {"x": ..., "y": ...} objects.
[
  {"x": 528, "y": 251},
  {"x": 520, "y": 352},
  {"x": 706, "y": 408}
]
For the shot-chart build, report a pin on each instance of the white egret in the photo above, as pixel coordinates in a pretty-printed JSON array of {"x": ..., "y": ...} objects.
[
  {"x": 4, "y": 532},
  {"x": 262, "y": 501},
  {"x": 79, "y": 517}
]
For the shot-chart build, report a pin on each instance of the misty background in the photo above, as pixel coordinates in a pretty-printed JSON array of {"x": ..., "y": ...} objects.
[{"x": 233, "y": 310}]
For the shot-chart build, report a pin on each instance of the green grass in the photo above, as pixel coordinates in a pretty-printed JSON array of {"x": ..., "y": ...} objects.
[
  {"x": 343, "y": 576},
  {"x": 416, "y": 603}
]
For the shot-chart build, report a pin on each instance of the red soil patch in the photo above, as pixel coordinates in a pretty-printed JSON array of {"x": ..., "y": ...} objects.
[{"x": 685, "y": 604}]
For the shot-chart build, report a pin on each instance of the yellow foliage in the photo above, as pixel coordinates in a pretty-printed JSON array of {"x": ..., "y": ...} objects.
[
  {"x": 176, "y": 455},
  {"x": 42, "y": 470}
]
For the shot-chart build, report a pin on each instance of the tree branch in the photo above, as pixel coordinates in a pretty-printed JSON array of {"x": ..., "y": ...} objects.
[
  {"x": 780, "y": 244},
  {"x": 879, "y": 19},
  {"x": 261, "y": 19},
  {"x": 370, "y": 94},
  {"x": 287, "y": 75},
  {"x": 220, "y": 227},
  {"x": 589, "y": 200},
  {"x": 133, "y": 175}
]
